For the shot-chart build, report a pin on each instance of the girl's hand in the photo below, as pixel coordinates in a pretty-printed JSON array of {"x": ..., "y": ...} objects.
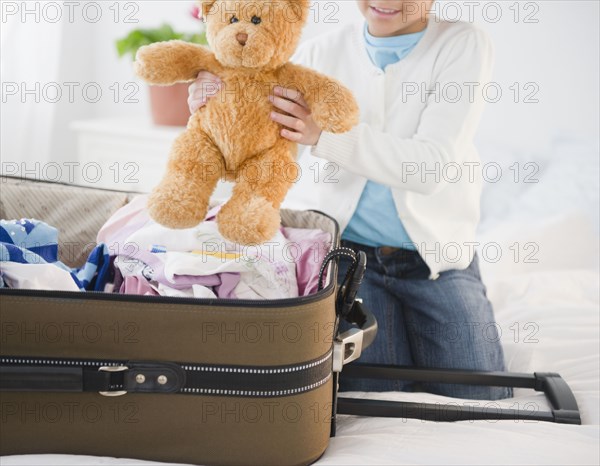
[
  {"x": 299, "y": 125},
  {"x": 202, "y": 89}
]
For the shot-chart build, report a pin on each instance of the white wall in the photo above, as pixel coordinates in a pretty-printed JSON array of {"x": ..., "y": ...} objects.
[{"x": 559, "y": 54}]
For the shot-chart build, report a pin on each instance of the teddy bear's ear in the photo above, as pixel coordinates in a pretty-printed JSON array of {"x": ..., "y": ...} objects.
[
  {"x": 205, "y": 6},
  {"x": 304, "y": 4},
  {"x": 301, "y": 6}
]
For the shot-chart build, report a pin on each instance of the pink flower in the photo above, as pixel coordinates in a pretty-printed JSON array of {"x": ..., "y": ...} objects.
[{"x": 195, "y": 12}]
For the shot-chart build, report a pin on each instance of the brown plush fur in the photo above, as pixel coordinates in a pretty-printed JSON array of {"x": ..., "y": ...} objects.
[{"x": 232, "y": 137}]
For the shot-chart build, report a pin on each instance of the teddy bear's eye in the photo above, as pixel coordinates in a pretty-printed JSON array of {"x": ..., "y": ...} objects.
[
  {"x": 256, "y": 20},
  {"x": 234, "y": 20}
]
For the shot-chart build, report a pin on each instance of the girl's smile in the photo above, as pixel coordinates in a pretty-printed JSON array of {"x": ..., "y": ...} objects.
[
  {"x": 387, "y": 18},
  {"x": 384, "y": 12}
]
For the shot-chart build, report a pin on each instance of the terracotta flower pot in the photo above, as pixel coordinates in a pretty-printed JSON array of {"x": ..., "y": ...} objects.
[{"x": 169, "y": 104}]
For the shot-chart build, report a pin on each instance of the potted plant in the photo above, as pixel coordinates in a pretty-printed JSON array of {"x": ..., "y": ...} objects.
[{"x": 168, "y": 103}]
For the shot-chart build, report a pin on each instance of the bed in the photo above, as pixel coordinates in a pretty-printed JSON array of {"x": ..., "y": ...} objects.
[{"x": 545, "y": 291}]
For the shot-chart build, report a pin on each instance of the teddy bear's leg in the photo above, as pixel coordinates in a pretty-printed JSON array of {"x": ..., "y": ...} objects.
[
  {"x": 193, "y": 170},
  {"x": 251, "y": 216}
]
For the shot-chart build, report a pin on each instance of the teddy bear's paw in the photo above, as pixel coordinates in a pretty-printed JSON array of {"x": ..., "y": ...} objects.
[
  {"x": 141, "y": 70},
  {"x": 150, "y": 64},
  {"x": 172, "y": 210},
  {"x": 141, "y": 65},
  {"x": 253, "y": 222},
  {"x": 335, "y": 120}
]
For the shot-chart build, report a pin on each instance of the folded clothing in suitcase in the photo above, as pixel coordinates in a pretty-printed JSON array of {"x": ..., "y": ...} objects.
[{"x": 250, "y": 382}]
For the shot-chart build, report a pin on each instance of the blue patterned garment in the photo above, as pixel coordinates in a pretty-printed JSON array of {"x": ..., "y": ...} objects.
[{"x": 29, "y": 241}]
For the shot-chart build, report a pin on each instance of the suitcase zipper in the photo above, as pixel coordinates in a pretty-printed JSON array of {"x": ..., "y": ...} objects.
[
  {"x": 210, "y": 379},
  {"x": 127, "y": 298}
]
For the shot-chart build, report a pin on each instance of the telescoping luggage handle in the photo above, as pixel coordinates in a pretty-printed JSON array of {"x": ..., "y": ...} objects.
[
  {"x": 564, "y": 409},
  {"x": 349, "y": 345}
]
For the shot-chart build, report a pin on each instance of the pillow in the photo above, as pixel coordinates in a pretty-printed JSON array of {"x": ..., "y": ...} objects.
[{"x": 562, "y": 179}]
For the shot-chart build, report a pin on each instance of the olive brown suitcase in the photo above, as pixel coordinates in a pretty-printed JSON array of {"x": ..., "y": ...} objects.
[{"x": 201, "y": 381}]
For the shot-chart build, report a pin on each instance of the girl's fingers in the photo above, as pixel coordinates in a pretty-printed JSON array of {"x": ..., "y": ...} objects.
[
  {"x": 205, "y": 80},
  {"x": 205, "y": 76},
  {"x": 291, "y": 94},
  {"x": 203, "y": 92},
  {"x": 288, "y": 121},
  {"x": 196, "y": 104},
  {"x": 290, "y": 107},
  {"x": 294, "y": 137}
]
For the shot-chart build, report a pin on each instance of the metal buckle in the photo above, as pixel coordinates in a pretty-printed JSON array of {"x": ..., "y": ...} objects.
[
  {"x": 113, "y": 369},
  {"x": 346, "y": 348}
]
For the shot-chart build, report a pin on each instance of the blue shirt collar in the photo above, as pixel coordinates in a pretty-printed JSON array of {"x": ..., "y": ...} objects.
[{"x": 385, "y": 51}]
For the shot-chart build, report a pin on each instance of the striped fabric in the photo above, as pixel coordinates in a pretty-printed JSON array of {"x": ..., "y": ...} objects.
[{"x": 33, "y": 242}]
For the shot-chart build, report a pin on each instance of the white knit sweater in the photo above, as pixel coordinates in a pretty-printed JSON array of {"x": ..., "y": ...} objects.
[{"x": 418, "y": 142}]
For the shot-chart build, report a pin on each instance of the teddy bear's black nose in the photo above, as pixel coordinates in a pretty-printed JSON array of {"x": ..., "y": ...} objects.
[{"x": 242, "y": 38}]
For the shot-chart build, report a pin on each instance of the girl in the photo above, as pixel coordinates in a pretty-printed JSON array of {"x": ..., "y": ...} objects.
[{"x": 405, "y": 186}]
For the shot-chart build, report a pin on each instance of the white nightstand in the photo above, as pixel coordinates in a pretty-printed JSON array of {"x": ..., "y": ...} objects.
[{"x": 126, "y": 153}]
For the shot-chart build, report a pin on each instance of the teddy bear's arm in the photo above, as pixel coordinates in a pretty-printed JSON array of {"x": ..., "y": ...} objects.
[
  {"x": 166, "y": 63},
  {"x": 332, "y": 105}
]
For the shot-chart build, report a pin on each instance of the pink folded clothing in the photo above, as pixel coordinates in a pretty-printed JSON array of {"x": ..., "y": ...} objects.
[
  {"x": 312, "y": 246},
  {"x": 137, "y": 285},
  {"x": 199, "y": 262}
]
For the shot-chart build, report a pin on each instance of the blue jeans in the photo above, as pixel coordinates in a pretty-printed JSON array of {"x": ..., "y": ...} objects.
[{"x": 443, "y": 323}]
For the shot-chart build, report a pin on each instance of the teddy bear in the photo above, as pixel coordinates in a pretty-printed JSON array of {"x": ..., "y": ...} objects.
[{"x": 233, "y": 137}]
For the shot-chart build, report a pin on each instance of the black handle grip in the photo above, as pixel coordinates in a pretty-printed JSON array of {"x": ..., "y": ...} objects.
[
  {"x": 560, "y": 395},
  {"x": 349, "y": 287},
  {"x": 354, "y": 281}
]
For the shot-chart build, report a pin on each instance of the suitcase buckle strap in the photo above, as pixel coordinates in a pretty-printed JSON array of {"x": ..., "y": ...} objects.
[
  {"x": 113, "y": 369},
  {"x": 142, "y": 377}
]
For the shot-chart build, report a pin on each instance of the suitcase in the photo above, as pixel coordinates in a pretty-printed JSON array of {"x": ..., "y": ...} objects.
[{"x": 204, "y": 381}]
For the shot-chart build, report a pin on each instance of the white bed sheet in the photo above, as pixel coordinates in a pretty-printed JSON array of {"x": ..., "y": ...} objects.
[{"x": 554, "y": 303}]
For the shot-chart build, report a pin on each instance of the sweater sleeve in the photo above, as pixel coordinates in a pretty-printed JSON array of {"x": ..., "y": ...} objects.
[
  {"x": 445, "y": 132},
  {"x": 302, "y": 55}
]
